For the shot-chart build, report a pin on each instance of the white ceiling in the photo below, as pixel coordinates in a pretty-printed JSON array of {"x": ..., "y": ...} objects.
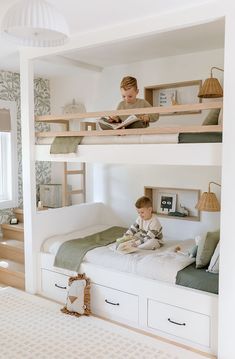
[
  {"x": 187, "y": 40},
  {"x": 108, "y": 13}
]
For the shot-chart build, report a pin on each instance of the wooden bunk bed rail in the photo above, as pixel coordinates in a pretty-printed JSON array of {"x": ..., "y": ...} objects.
[
  {"x": 133, "y": 131},
  {"x": 147, "y": 110}
]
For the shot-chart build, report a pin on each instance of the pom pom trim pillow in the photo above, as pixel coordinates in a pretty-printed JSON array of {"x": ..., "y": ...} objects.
[{"x": 78, "y": 296}]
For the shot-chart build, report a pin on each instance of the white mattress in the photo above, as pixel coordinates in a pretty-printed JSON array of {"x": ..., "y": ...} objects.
[
  {"x": 52, "y": 244},
  {"x": 161, "y": 264},
  {"x": 126, "y": 139}
]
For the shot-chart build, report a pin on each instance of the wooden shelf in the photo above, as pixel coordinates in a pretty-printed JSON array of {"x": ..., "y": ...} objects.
[
  {"x": 177, "y": 197},
  {"x": 174, "y": 94}
]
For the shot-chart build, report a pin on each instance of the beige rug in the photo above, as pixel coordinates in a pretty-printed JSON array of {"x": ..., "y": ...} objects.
[{"x": 34, "y": 328}]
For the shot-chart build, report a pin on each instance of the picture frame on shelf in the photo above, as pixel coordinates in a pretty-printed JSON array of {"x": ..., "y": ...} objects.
[
  {"x": 184, "y": 202},
  {"x": 176, "y": 93},
  {"x": 166, "y": 202},
  {"x": 167, "y": 97}
]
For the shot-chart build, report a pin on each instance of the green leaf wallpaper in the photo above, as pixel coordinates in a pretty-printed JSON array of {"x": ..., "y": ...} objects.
[{"x": 10, "y": 91}]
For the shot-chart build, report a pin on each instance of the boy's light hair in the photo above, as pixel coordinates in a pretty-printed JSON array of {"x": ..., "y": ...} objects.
[
  {"x": 143, "y": 202},
  {"x": 128, "y": 82}
]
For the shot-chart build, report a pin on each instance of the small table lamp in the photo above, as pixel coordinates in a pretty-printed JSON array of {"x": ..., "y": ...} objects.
[
  {"x": 211, "y": 87},
  {"x": 208, "y": 201}
]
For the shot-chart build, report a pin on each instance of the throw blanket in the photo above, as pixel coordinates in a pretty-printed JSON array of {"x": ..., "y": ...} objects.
[
  {"x": 65, "y": 144},
  {"x": 71, "y": 253},
  {"x": 166, "y": 264}
]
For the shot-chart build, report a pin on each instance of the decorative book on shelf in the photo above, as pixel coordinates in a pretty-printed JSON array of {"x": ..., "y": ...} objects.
[
  {"x": 104, "y": 123},
  {"x": 177, "y": 203}
]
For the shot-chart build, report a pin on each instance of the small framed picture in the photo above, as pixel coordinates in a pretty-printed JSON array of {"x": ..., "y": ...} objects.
[{"x": 166, "y": 202}]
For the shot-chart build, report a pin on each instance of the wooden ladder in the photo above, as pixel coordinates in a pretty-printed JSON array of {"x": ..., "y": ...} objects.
[
  {"x": 66, "y": 192},
  {"x": 12, "y": 270}
]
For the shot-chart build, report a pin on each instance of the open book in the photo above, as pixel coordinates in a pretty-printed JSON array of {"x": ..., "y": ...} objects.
[
  {"x": 125, "y": 245},
  {"x": 105, "y": 125},
  {"x": 127, "y": 250}
]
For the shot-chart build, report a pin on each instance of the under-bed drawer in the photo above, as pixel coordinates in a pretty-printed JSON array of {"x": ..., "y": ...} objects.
[
  {"x": 114, "y": 304},
  {"x": 180, "y": 322},
  {"x": 54, "y": 285}
]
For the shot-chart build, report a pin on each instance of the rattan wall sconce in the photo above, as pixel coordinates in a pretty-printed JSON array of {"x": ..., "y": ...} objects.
[
  {"x": 211, "y": 87},
  {"x": 208, "y": 201}
]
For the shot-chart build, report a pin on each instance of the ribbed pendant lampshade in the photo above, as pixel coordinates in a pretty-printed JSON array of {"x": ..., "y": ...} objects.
[
  {"x": 211, "y": 87},
  {"x": 208, "y": 201},
  {"x": 35, "y": 23}
]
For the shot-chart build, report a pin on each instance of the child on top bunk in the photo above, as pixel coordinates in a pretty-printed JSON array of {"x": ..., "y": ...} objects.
[
  {"x": 129, "y": 91},
  {"x": 146, "y": 232}
]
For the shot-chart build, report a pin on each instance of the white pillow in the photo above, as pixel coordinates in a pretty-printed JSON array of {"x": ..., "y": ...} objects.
[
  {"x": 220, "y": 118},
  {"x": 78, "y": 296},
  {"x": 214, "y": 263},
  {"x": 75, "y": 297}
]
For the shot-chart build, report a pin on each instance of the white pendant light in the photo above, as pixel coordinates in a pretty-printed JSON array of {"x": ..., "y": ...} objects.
[{"x": 35, "y": 23}]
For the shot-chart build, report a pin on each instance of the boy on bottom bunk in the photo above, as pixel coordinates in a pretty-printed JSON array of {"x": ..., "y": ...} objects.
[{"x": 146, "y": 232}]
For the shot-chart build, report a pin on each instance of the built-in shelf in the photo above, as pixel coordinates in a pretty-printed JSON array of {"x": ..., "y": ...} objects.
[
  {"x": 177, "y": 93},
  {"x": 167, "y": 201}
]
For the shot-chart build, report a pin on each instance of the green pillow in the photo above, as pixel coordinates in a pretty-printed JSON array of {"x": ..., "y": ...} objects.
[
  {"x": 206, "y": 248},
  {"x": 212, "y": 117}
]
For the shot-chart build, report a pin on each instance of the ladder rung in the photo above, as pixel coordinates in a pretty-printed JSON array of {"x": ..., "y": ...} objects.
[
  {"x": 75, "y": 172},
  {"x": 77, "y": 191}
]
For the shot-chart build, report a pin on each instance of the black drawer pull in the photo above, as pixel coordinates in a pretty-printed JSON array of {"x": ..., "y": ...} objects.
[
  {"x": 58, "y": 286},
  {"x": 172, "y": 321},
  {"x": 106, "y": 301}
]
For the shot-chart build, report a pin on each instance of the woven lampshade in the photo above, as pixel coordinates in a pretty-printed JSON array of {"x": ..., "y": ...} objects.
[
  {"x": 211, "y": 87},
  {"x": 208, "y": 203}
]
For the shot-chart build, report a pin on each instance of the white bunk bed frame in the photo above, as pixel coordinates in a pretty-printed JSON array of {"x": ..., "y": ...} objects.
[
  {"x": 170, "y": 21},
  {"x": 177, "y": 313},
  {"x": 208, "y": 154},
  {"x": 183, "y": 154}
]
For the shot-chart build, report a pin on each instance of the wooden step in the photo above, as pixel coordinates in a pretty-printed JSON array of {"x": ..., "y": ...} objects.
[
  {"x": 19, "y": 214},
  {"x": 13, "y": 231},
  {"x": 12, "y": 249},
  {"x": 12, "y": 273}
]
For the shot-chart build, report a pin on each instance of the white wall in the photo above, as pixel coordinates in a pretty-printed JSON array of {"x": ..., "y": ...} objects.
[
  {"x": 120, "y": 185},
  {"x": 227, "y": 247},
  {"x": 193, "y": 66},
  {"x": 81, "y": 86}
]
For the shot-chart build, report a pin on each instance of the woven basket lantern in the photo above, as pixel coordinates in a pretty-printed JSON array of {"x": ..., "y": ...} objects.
[
  {"x": 211, "y": 87},
  {"x": 208, "y": 203}
]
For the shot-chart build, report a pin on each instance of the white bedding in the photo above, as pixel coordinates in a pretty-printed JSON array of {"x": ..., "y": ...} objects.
[
  {"x": 129, "y": 139},
  {"x": 161, "y": 264}
]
